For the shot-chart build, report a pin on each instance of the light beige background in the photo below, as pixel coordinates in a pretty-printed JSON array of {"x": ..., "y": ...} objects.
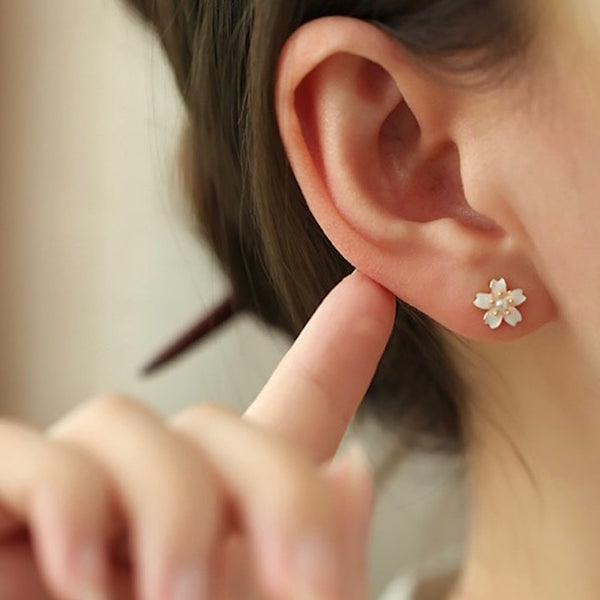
[{"x": 97, "y": 263}]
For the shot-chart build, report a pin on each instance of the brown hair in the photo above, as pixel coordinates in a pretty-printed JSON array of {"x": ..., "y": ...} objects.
[{"x": 247, "y": 203}]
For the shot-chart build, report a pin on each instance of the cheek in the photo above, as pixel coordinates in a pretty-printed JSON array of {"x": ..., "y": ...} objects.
[
  {"x": 533, "y": 164},
  {"x": 553, "y": 170}
]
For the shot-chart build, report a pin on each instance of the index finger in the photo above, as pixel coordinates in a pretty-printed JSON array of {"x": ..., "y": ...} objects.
[{"x": 313, "y": 394}]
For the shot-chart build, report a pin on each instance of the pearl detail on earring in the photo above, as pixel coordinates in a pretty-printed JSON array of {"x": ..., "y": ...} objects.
[{"x": 500, "y": 305}]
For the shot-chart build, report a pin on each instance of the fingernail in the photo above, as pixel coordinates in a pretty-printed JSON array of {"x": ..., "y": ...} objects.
[
  {"x": 316, "y": 570},
  {"x": 91, "y": 572},
  {"x": 189, "y": 583},
  {"x": 304, "y": 595},
  {"x": 93, "y": 594}
]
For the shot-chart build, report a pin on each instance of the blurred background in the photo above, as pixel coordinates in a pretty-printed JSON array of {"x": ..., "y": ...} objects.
[{"x": 99, "y": 267}]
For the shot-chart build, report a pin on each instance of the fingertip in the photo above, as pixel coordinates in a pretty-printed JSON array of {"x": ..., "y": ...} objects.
[
  {"x": 375, "y": 291},
  {"x": 369, "y": 298}
]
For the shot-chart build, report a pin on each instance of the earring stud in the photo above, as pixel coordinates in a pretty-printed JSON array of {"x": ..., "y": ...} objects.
[{"x": 501, "y": 304}]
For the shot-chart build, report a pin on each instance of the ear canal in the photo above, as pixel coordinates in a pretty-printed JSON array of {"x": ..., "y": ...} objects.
[{"x": 428, "y": 184}]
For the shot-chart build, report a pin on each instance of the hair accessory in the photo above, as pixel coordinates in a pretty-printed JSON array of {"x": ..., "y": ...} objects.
[
  {"x": 500, "y": 304},
  {"x": 208, "y": 323}
]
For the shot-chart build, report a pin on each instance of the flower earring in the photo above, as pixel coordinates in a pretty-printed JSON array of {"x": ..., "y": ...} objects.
[{"x": 500, "y": 304}]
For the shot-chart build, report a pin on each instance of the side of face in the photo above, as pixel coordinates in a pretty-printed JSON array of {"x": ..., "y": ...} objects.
[
  {"x": 535, "y": 149},
  {"x": 434, "y": 189}
]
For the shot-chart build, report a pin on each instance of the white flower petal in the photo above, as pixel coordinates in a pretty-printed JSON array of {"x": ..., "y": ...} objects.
[
  {"x": 518, "y": 297},
  {"x": 513, "y": 317},
  {"x": 483, "y": 301},
  {"x": 492, "y": 320},
  {"x": 498, "y": 286}
]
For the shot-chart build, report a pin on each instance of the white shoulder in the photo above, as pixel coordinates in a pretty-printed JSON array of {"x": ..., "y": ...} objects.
[
  {"x": 411, "y": 586},
  {"x": 402, "y": 587}
]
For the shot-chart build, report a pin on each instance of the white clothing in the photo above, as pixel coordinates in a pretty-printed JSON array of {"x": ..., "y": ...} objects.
[{"x": 402, "y": 587}]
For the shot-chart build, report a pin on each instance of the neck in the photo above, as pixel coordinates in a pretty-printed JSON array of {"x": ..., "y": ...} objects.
[{"x": 533, "y": 455}]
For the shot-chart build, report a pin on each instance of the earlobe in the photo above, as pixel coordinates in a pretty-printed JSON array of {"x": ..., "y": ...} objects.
[{"x": 368, "y": 134}]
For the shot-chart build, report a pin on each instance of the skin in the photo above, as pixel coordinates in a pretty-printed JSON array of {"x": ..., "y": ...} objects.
[
  {"x": 367, "y": 129},
  {"x": 114, "y": 502}
]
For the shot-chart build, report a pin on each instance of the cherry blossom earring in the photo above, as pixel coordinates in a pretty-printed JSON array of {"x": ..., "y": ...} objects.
[{"x": 500, "y": 304}]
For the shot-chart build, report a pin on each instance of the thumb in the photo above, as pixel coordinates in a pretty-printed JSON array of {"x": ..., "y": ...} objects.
[{"x": 352, "y": 476}]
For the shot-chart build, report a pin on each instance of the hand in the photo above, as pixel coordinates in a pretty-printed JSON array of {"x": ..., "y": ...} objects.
[{"x": 242, "y": 508}]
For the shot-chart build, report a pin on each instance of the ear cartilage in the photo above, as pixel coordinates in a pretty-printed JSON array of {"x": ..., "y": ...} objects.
[{"x": 501, "y": 304}]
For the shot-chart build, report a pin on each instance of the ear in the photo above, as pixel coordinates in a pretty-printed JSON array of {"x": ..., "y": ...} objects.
[{"x": 369, "y": 135}]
